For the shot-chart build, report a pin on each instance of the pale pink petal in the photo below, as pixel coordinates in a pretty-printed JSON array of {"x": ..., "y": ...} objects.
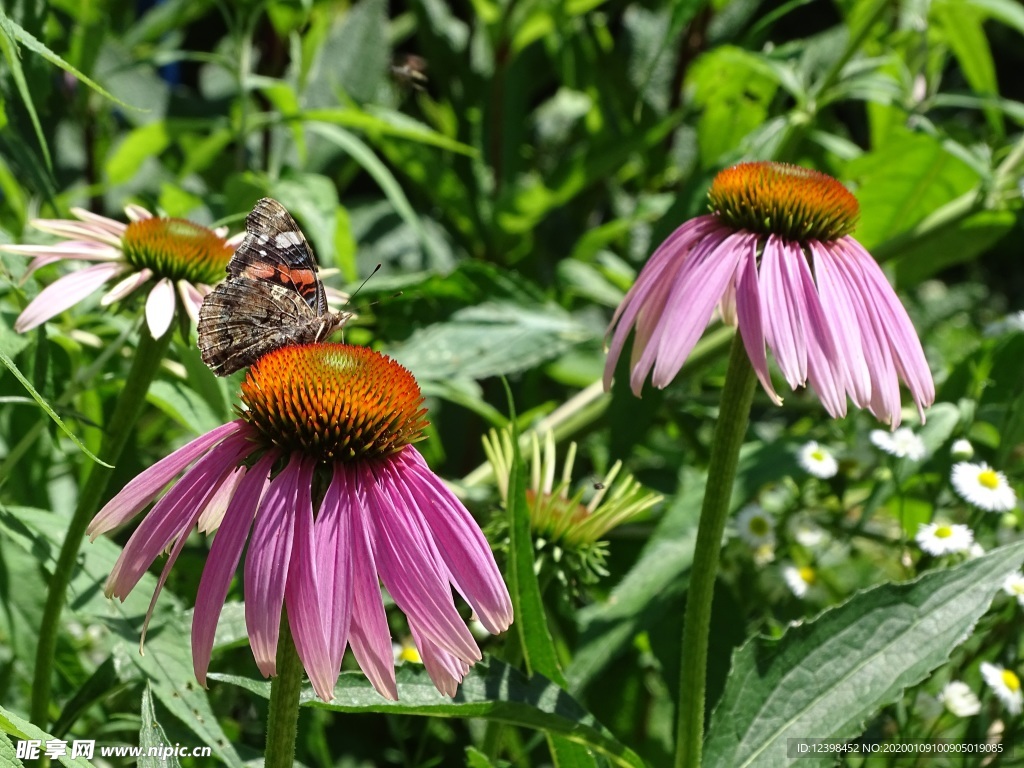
[
  {"x": 145, "y": 487},
  {"x": 191, "y": 300},
  {"x": 65, "y": 293},
  {"x": 38, "y": 263},
  {"x": 369, "y": 635},
  {"x": 101, "y": 222},
  {"x": 160, "y": 308},
  {"x": 334, "y": 559},
  {"x": 235, "y": 240},
  {"x": 458, "y": 538},
  {"x": 222, "y": 562},
  {"x": 784, "y": 330},
  {"x": 217, "y": 506},
  {"x": 137, "y": 212},
  {"x": 126, "y": 286},
  {"x": 174, "y": 513},
  {"x": 418, "y": 584},
  {"x": 73, "y": 230},
  {"x": 302, "y": 596},
  {"x": 266, "y": 567}
]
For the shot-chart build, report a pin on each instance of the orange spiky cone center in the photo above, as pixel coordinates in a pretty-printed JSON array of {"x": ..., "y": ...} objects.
[{"x": 177, "y": 249}]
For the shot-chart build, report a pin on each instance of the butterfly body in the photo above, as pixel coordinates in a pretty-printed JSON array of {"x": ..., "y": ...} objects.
[{"x": 272, "y": 297}]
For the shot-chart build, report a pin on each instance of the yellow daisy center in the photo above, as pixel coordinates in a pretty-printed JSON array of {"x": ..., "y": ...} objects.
[
  {"x": 1011, "y": 681},
  {"x": 807, "y": 574},
  {"x": 785, "y": 200},
  {"x": 943, "y": 532},
  {"x": 759, "y": 526},
  {"x": 334, "y": 402},
  {"x": 988, "y": 479},
  {"x": 177, "y": 249}
]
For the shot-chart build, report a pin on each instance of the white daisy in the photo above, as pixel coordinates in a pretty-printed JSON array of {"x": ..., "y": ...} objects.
[
  {"x": 1006, "y": 686},
  {"x": 983, "y": 487},
  {"x": 944, "y": 539},
  {"x": 818, "y": 460},
  {"x": 975, "y": 551},
  {"x": 806, "y": 532},
  {"x": 1014, "y": 586},
  {"x": 799, "y": 580},
  {"x": 958, "y": 698},
  {"x": 755, "y": 526},
  {"x": 962, "y": 449},
  {"x": 902, "y": 443}
]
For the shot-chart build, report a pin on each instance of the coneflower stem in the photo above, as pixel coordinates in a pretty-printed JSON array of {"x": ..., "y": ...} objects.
[
  {"x": 731, "y": 427},
  {"x": 129, "y": 405},
  {"x": 283, "y": 715}
]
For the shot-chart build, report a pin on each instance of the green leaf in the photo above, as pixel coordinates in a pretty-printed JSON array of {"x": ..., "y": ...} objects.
[
  {"x": 961, "y": 27},
  {"x": 23, "y": 730},
  {"x": 955, "y": 243},
  {"x": 8, "y": 37},
  {"x": 492, "y": 690},
  {"x": 826, "y": 677},
  {"x": 490, "y": 339},
  {"x": 151, "y": 735},
  {"x": 184, "y": 405},
  {"x": 46, "y": 407}
]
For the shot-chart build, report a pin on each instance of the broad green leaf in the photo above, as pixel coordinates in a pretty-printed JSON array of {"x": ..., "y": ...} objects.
[
  {"x": 353, "y": 60},
  {"x": 167, "y": 663},
  {"x": 135, "y": 148},
  {"x": 151, "y": 735},
  {"x": 46, "y": 407},
  {"x": 958, "y": 242},
  {"x": 489, "y": 340},
  {"x": 825, "y": 678},
  {"x": 1009, "y": 12},
  {"x": 184, "y": 405},
  {"x": 492, "y": 690},
  {"x": 22, "y": 730},
  {"x": 961, "y": 27}
]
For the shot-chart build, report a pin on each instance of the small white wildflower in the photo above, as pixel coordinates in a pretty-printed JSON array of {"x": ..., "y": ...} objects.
[
  {"x": 806, "y": 532},
  {"x": 975, "y": 551},
  {"x": 818, "y": 460},
  {"x": 958, "y": 698},
  {"x": 1006, "y": 686},
  {"x": 903, "y": 443},
  {"x": 943, "y": 539},
  {"x": 755, "y": 526},
  {"x": 405, "y": 651},
  {"x": 1012, "y": 323},
  {"x": 1014, "y": 586},
  {"x": 799, "y": 580},
  {"x": 962, "y": 450},
  {"x": 983, "y": 487}
]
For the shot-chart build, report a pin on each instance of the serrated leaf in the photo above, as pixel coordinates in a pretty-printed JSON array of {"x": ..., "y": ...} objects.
[
  {"x": 46, "y": 407},
  {"x": 492, "y": 690},
  {"x": 825, "y": 678},
  {"x": 151, "y": 734}
]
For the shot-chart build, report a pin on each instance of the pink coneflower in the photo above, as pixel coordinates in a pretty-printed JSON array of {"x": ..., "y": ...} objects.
[
  {"x": 172, "y": 258},
  {"x": 776, "y": 258},
  {"x": 321, "y": 468}
]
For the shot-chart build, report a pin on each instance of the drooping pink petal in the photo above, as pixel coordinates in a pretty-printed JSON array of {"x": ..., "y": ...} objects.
[
  {"x": 784, "y": 330},
  {"x": 748, "y": 315},
  {"x": 903, "y": 341},
  {"x": 126, "y": 286},
  {"x": 334, "y": 559},
  {"x": 174, "y": 513},
  {"x": 446, "y": 671},
  {"x": 458, "y": 538},
  {"x": 145, "y": 487},
  {"x": 210, "y": 520},
  {"x": 695, "y": 293},
  {"x": 225, "y": 552},
  {"x": 302, "y": 595},
  {"x": 414, "y": 579},
  {"x": 160, "y": 307},
  {"x": 841, "y": 315},
  {"x": 137, "y": 212},
  {"x": 266, "y": 566},
  {"x": 665, "y": 262},
  {"x": 65, "y": 293},
  {"x": 369, "y": 635}
]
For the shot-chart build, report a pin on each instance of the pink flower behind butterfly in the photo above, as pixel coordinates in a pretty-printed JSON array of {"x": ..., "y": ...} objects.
[
  {"x": 319, "y": 478},
  {"x": 172, "y": 259}
]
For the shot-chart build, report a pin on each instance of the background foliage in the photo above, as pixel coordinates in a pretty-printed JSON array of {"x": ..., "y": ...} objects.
[{"x": 511, "y": 198}]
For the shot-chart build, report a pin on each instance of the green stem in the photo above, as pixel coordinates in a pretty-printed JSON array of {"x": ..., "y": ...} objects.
[
  {"x": 283, "y": 716},
  {"x": 129, "y": 405},
  {"x": 730, "y": 429}
]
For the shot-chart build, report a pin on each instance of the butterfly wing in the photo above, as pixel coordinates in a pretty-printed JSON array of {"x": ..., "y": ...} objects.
[
  {"x": 275, "y": 250},
  {"x": 242, "y": 319}
]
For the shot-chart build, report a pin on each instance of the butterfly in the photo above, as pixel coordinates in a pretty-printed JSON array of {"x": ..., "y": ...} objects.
[{"x": 272, "y": 297}]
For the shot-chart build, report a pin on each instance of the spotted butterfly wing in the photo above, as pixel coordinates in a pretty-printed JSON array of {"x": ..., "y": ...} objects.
[{"x": 272, "y": 297}]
